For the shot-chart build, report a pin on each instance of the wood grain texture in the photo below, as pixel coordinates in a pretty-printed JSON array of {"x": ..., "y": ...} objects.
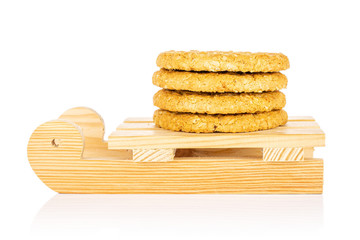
[
  {"x": 150, "y": 120},
  {"x": 151, "y": 126},
  {"x": 302, "y": 132},
  {"x": 70, "y": 156},
  {"x": 309, "y": 152},
  {"x": 63, "y": 170},
  {"x": 153, "y": 155},
  {"x": 181, "y": 176},
  {"x": 92, "y": 129},
  {"x": 283, "y": 154}
]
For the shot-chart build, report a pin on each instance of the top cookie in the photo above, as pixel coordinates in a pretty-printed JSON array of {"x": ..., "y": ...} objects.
[{"x": 216, "y": 61}]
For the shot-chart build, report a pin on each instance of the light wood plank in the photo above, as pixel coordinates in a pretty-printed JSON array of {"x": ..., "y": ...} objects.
[
  {"x": 153, "y": 155},
  {"x": 169, "y": 139},
  {"x": 301, "y": 118},
  {"x": 283, "y": 154},
  {"x": 300, "y": 132},
  {"x": 309, "y": 152},
  {"x": 151, "y": 126},
  {"x": 150, "y": 119},
  {"x": 300, "y": 124},
  {"x": 164, "y": 132}
]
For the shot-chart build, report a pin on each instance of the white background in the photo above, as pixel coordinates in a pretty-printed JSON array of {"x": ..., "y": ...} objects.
[{"x": 55, "y": 55}]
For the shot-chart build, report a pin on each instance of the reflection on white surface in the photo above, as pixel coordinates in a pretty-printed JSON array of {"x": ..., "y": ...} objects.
[{"x": 121, "y": 215}]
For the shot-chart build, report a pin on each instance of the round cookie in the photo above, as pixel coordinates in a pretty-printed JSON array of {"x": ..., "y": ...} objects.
[
  {"x": 216, "y": 61},
  {"x": 231, "y": 123},
  {"x": 219, "y": 82},
  {"x": 220, "y": 103}
]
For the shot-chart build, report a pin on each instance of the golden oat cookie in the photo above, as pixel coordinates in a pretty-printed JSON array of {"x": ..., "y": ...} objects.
[
  {"x": 219, "y": 82},
  {"x": 231, "y": 123},
  {"x": 217, "y": 61},
  {"x": 218, "y": 103}
]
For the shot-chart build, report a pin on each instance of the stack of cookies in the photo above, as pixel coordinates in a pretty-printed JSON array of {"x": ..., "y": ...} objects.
[{"x": 220, "y": 91}]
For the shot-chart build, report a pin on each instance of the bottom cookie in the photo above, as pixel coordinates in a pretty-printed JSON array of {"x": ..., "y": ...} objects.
[{"x": 229, "y": 123}]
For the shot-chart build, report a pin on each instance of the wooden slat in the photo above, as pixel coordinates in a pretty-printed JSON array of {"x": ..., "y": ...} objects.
[
  {"x": 308, "y": 152},
  {"x": 151, "y": 126},
  {"x": 301, "y": 118},
  {"x": 168, "y": 139},
  {"x": 283, "y": 154},
  {"x": 150, "y": 120},
  {"x": 300, "y": 124},
  {"x": 137, "y": 133},
  {"x": 153, "y": 155}
]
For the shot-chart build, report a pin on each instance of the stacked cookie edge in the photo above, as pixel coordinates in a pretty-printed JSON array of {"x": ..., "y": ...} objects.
[{"x": 215, "y": 99}]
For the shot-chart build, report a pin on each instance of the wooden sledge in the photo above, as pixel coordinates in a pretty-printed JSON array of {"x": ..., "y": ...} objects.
[{"x": 70, "y": 156}]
